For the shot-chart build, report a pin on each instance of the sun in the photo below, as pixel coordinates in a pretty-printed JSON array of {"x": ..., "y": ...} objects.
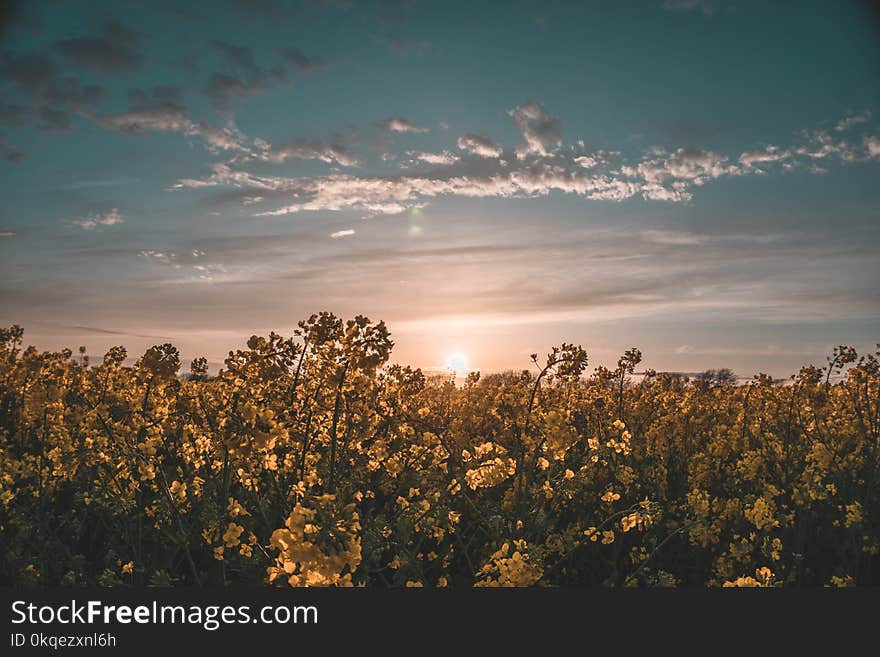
[{"x": 457, "y": 362}]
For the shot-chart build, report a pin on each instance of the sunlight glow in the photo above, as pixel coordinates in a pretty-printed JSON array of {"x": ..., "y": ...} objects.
[{"x": 457, "y": 362}]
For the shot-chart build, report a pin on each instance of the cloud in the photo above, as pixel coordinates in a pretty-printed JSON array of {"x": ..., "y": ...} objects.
[
  {"x": 542, "y": 168},
  {"x": 481, "y": 146},
  {"x": 672, "y": 238},
  {"x": 191, "y": 264},
  {"x": 820, "y": 145},
  {"x": 37, "y": 76},
  {"x": 162, "y": 118},
  {"x": 164, "y": 257},
  {"x": 237, "y": 55},
  {"x": 395, "y": 194},
  {"x": 168, "y": 117},
  {"x": 223, "y": 89},
  {"x": 207, "y": 272},
  {"x": 814, "y": 148},
  {"x": 445, "y": 158},
  {"x": 163, "y": 93},
  {"x": 248, "y": 78},
  {"x": 307, "y": 149},
  {"x": 541, "y": 131},
  {"x": 341, "y": 233},
  {"x": 102, "y": 219},
  {"x": 586, "y": 161},
  {"x": 751, "y": 159},
  {"x": 848, "y": 122},
  {"x": 684, "y": 164},
  {"x": 302, "y": 62},
  {"x": 52, "y": 96},
  {"x": 113, "y": 52},
  {"x": 394, "y": 124}
]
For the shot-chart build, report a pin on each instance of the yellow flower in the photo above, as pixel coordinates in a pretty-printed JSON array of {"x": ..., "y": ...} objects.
[
  {"x": 610, "y": 496},
  {"x": 761, "y": 514},
  {"x": 763, "y": 578},
  {"x": 235, "y": 509},
  {"x": 853, "y": 514},
  {"x": 128, "y": 568},
  {"x": 178, "y": 491},
  {"x": 842, "y": 582},
  {"x": 230, "y": 536}
]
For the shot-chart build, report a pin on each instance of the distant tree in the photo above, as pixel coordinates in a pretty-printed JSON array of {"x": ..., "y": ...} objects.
[{"x": 716, "y": 378}]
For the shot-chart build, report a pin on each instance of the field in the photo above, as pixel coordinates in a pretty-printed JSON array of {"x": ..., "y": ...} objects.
[{"x": 310, "y": 461}]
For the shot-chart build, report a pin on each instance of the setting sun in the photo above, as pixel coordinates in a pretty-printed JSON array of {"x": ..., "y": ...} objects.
[{"x": 457, "y": 362}]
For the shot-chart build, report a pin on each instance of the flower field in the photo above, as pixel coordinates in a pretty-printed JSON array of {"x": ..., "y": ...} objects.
[{"x": 310, "y": 461}]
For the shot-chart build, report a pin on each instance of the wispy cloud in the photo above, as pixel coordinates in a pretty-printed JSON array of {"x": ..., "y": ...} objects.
[
  {"x": 481, "y": 146},
  {"x": 396, "y": 124},
  {"x": 306, "y": 149},
  {"x": 101, "y": 219},
  {"x": 168, "y": 117},
  {"x": 164, "y": 257},
  {"x": 190, "y": 263},
  {"x": 541, "y": 130},
  {"x": 848, "y": 122},
  {"x": 244, "y": 77},
  {"x": 52, "y": 93},
  {"x": 302, "y": 62},
  {"x": 445, "y": 158},
  {"x": 114, "y": 51}
]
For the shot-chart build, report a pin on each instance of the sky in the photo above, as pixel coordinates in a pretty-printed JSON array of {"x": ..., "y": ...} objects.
[{"x": 697, "y": 178}]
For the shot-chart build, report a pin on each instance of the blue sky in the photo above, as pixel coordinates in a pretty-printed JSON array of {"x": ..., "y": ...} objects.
[{"x": 697, "y": 178}]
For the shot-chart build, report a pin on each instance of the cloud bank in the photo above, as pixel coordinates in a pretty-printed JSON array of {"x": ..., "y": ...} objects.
[{"x": 539, "y": 167}]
